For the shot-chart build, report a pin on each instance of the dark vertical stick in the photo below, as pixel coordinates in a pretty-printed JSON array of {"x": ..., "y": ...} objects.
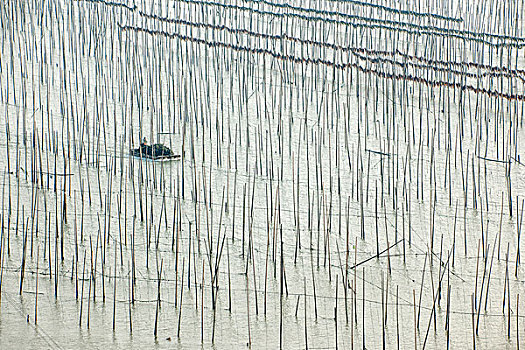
[
  {"x": 130, "y": 301},
  {"x": 397, "y": 316},
  {"x": 421, "y": 291},
  {"x": 181, "y": 295},
  {"x": 415, "y": 319},
  {"x": 115, "y": 288},
  {"x": 248, "y": 312},
  {"x": 202, "y": 303},
  {"x": 82, "y": 290},
  {"x": 335, "y": 308},
  {"x": 305, "y": 317},
  {"x": 36, "y": 287},
  {"x": 473, "y": 326},
  {"x": 364, "y": 320}
]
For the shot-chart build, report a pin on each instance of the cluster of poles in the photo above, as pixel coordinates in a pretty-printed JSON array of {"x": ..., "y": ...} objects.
[{"x": 351, "y": 172}]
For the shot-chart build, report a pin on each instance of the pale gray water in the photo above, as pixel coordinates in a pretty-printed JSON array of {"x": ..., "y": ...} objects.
[{"x": 247, "y": 120}]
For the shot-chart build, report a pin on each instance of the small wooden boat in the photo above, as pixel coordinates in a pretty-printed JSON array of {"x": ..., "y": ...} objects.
[{"x": 156, "y": 152}]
